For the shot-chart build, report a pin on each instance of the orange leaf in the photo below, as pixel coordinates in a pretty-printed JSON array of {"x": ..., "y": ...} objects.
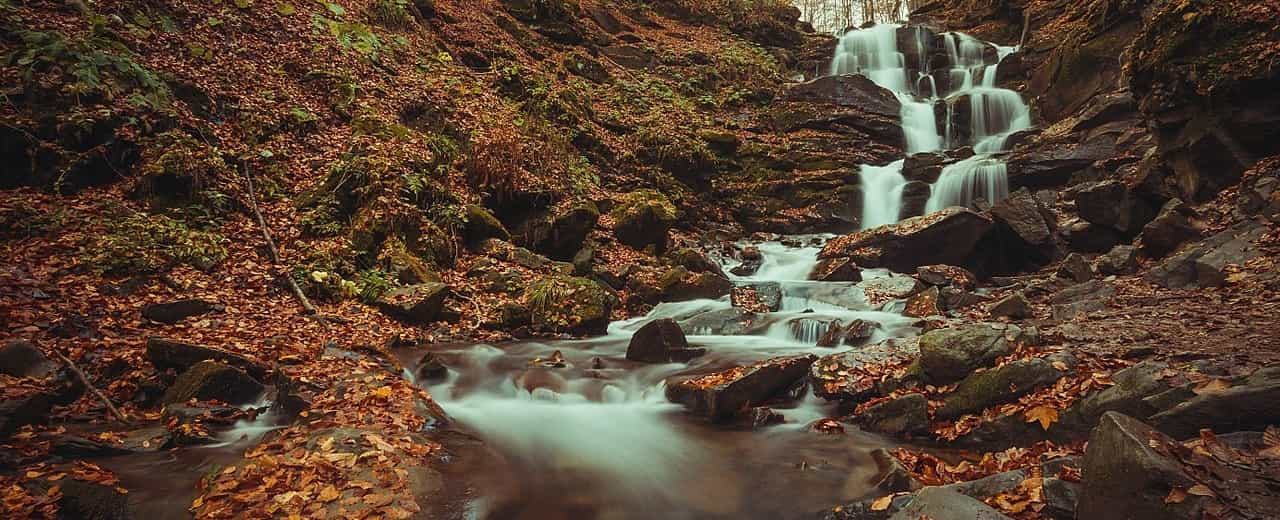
[
  {"x": 1200, "y": 490},
  {"x": 1046, "y": 415},
  {"x": 1176, "y": 496},
  {"x": 882, "y": 503},
  {"x": 1213, "y": 386}
]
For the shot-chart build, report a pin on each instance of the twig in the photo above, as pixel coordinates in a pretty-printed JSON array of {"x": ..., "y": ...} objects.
[
  {"x": 307, "y": 307},
  {"x": 1026, "y": 27},
  {"x": 84, "y": 379}
]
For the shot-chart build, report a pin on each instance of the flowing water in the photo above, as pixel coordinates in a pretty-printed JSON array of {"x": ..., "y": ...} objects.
[{"x": 898, "y": 58}]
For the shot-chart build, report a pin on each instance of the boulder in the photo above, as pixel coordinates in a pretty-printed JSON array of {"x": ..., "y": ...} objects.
[
  {"x": 175, "y": 311},
  {"x": 851, "y": 90},
  {"x": 1006, "y": 383},
  {"x": 1023, "y": 214},
  {"x": 559, "y": 235},
  {"x": 91, "y": 501},
  {"x": 891, "y": 475},
  {"x": 20, "y": 358},
  {"x": 949, "y": 355},
  {"x": 209, "y": 380},
  {"x": 431, "y": 368},
  {"x": 915, "y": 199},
  {"x": 855, "y": 333},
  {"x": 1075, "y": 268},
  {"x": 660, "y": 341},
  {"x": 947, "y": 276},
  {"x": 643, "y": 218},
  {"x": 1174, "y": 226},
  {"x": 569, "y": 304},
  {"x": 721, "y": 395},
  {"x": 905, "y": 415},
  {"x": 924, "y": 167},
  {"x": 1125, "y": 477},
  {"x": 1259, "y": 192},
  {"x": 1014, "y": 306},
  {"x": 21, "y": 410},
  {"x": 415, "y": 304},
  {"x": 1060, "y": 498},
  {"x": 1090, "y": 238},
  {"x": 631, "y": 57},
  {"x": 836, "y": 270},
  {"x": 924, "y": 304},
  {"x": 1252, "y": 403},
  {"x": 843, "y": 376},
  {"x": 1112, "y": 204},
  {"x": 481, "y": 224},
  {"x": 768, "y": 294},
  {"x": 1133, "y": 386},
  {"x": 721, "y": 322},
  {"x": 1121, "y": 260},
  {"x": 167, "y": 354},
  {"x": 938, "y": 503},
  {"x": 878, "y": 291},
  {"x": 1203, "y": 265},
  {"x": 944, "y": 237},
  {"x": 695, "y": 261},
  {"x": 955, "y": 299},
  {"x": 751, "y": 259}
]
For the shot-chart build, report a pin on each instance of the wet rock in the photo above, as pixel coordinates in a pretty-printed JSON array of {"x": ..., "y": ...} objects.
[
  {"x": 892, "y": 476},
  {"x": 768, "y": 294},
  {"x": 853, "y": 90},
  {"x": 904, "y": 415},
  {"x": 430, "y": 368},
  {"x": 1174, "y": 226},
  {"x": 721, "y": 395},
  {"x": 695, "y": 261},
  {"x": 955, "y": 299},
  {"x": 983, "y": 390},
  {"x": 721, "y": 322},
  {"x": 947, "y": 276},
  {"x": 21, "y": 410},
  {"x": 1110, "y": 203},
  {"x": 878, "y": 291},
  {"x": 1249, "y": 404},
  {"x": 945, "y": 237},
  {"x": 559, "y": 235},
  {"x": 1121, "y": 260},
  {"x": 1053, "y": 165},
  {"x": 938, "y": 503},
  {"x": 92, "y": 501},
  {"x": 1091, "y": 238},
  {"x": 20, "y": 358},
  {"x": 678, "y": 285},
  {"x": 854, "y": 334},
  {"x": 841, "y": 377},
  {"x": 949, "y": 355},
  {"x": 167, "y": 354},
  {"x": 568, "y": 304},
  {"x": 924, "y": 167},
  {"x": 654, "y": 341},
  {"x": 416, "y": 304},
  {"x": 923, "y": 304},
  {"x": 759, "y": 417},
  {"x": 836, "y": 270},
  {"x": 1075, "y": 268},
  {"x": 209, "y": 380},
  {"x": 1203, "y": 265},
  {"x": 1126, "y": 478},
  {"x": 915, "y": 199},
  {"x": 482, "y": 224},
  {"x": 1015, "y": 306},
  {"x": 176, "y": 311}
]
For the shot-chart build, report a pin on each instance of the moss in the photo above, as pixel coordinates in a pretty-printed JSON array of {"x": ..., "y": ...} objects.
[
  {"x": 177, "y": 169},
  {"x": 633, "y": 204},
  {"x": 139, "y": 243},
  {"x": 569, "y": 304}
]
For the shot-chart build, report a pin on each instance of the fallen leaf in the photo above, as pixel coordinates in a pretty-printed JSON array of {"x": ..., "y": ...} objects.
[
  {"x": 1044, "y": 414},
  {"x": 882, "y": 503},
  {"x": 1200, "y": 490},
  {"x": 1175, "y": 496},
  {"x": 1213, "y": 386}
]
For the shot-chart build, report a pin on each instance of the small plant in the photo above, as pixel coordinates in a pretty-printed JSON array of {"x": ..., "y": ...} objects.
[
  {"x": 91, "y": 66},
  {"x": 140, "y": 243},
  {"x": 392, "y": 14},
  {"x": 371, "y": 284}
]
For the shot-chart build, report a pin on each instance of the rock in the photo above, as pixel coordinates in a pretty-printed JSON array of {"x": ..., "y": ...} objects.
[
  {"x": 836, "y": 270},
  {"x": 166, "y": 354},
  {"x": 722, "y": 395},
  {"x": 679, "y": 285},
  {"x": 841, "y": 376},
  {"x": 923, "y": 304},
  {"x": 642, "y": 219},
  {"x": 1250, "y": 404},
  {"x": 92, "y": 501},
  {"x": 947, "y": 276},
  {"x": 892, "y": 476},
  {"x": 1075, "y": 268},
  {"x": 1090, "y": 238},
  {"x": 1015, "y": 306},
  {"x": 481, "y": 225},
  {"x": 937, "y": 503},
  {"x": 1128, "y": 395},
  {"x": 415, "y": 304},
  {"x": 915, "y": 199},
  {"x": 908, "y": 414},
  {"x": 1110, "y": 203},
  {"x": 1170, "y": 229},
  {"x": 878, "y": 291},
  {"x": 584, "y": 66},
  {"x": 583, "y": 260},
  {"x": 1126, "y": 478},
  {"x": 173, "y": 312},
  {"x": 1091, "y": 290},
  {"x": 1060, "y": 498},
  {"x": 1121, "y": 260},
  {"x": 722, "y": 322},
  {"x": 767, "y": 294},
  {"x": 20, "y": 358},
  {"x": 561, "y": 234},
  {"x": 854, "y": 90},
  {"x": 751, "y": 259},
  {"x": 695, "y": 261},
  {"x": 854, "y": 334},
  {"x": 570, "y": 304},
  {"x": 654, "y": 342},
  {"x": 1023, "y": 214},
  {"x": 631, "y": 57},
  {"x": 19, "y": 411},
  {"x": 944, "y": 237},
  {"x": 924, "y": 167},
  {"x": 430, "y": 368},
  {"x": 1259, "y": 192},
  {"x": 983, "y": 390},
  {"x": 955, "y": 299},
  {"x": 1203, "y": 264},
  {"x": 208, "y": 380},
  {"x": 949, "y": 355}
]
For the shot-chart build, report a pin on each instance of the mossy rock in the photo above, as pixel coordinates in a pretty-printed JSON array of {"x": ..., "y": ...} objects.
[
  {"x": 678, "y": 284},
  {"x": 407, "y": 267},
  {"x": 561, "y": 234},
  {"x": 583, "y": 65},
  {"x": 419, "y": 304},
  {"x": 569, "y": 304},
  {"x": 482, "y": 224},
  {"x": 1007, "y": 383},
  {"x": 209, "y": 380},
  {"x": 643, "y": 218}
]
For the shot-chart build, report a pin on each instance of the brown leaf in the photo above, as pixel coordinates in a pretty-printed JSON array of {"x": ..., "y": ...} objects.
[
  {"x": 1176, "y": 496},
  {"x": 882, "y": 503},
  {"x": 1213, "y": 386},
  {"x": 1046, "y": 415},
  {"x": 1200, "y": 490}
]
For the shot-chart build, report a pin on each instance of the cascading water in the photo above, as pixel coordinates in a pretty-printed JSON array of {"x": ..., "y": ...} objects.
[{"x": 976, "y": 113}]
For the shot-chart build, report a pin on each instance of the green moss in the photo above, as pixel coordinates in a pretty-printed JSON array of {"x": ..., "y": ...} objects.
[
  {"x": 179, "y": 170},
  {"x": 140, "y": 243},
  {"x": 569, "y": 304},
  {"x": 639, "y": 202}
]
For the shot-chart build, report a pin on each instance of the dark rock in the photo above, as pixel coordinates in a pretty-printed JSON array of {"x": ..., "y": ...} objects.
[
  {"x": 915, "y": 199},
  {"x": 840, "y": 377},
  {"x": 653, "y": 342},
  {"x": 955, "y": 299},
  {"x": 606, "y": 20},
  {"x": 1052, "y": 164},
  {"x": 1121, "y": 260},
  {"x": 695, "y": 261},
  {"x": 846, "y": 90},
  {"x": 1126, "y": 478},
  {"x": 1075, "y": 268},
  {"x": 836, "y": 270},
  {"x": 768, "y": 294},
  {"x": 481, "y": 225},
  {"x": 173, "y": 312},
  {"x": 1015, "y": 306},
  {"x": 1128, "y": 395},
  {"x": 878, "y": 291},
  {"x": 1026, "y": 217},
  {"x": 1060, "y": 498},
  {"x": 924, "y": 304},
  {"x": 723, "y": 322},
  {"x": 416, "y": 304},
  {"x": 854, "y": 334},
  {"x": 924, "y": 167},
  {"x": 679, "y": 285},
  {"x": 1170, "y": 229},
  {"x": 22, "y": 410},
  {"x": 1249, "y": 404},
  {"x": 1090, "y": 238},
  {"x": 751, "y": 262},
  {"x": 631, "y": 57},
  {"x": 1091, "y": 290},
  {"x": 1110, "y": 203},
  {"x": 759, "y": 417},
  {"x": 904, "y": 415},
  {"x": 430, "y": 368},
  {"x": 892, "y": 476},
  {"x": 208, "y": 380},
  {"x": 939, "y": 503},
  {"x": 1259, "y": 192},
  {"x": 945, "y": 237},
  {"x": 949, "y": 355},
  {"x": 568, "y": 304},
  {"x": 580, "y": 64},
  {"x": 564, "y": 235},
  {"x": 583, "y": 261},
  {"x": 1203, "y": 264},
  {"x": 721, "y": 395},
  {"x": 947, "y": 276},
  {"x": 982, "y": 390},
  {"x": 20, "y": 358},
  {"x": 168, "y": 354},
  {"x": 92, "y": 501}
]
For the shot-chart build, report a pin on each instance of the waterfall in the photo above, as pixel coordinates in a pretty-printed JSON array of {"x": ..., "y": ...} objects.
[{"x": 977, "y": 113}]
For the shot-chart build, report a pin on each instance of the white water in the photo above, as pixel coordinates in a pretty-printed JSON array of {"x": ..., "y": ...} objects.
[{"x": 994, "y": 114}]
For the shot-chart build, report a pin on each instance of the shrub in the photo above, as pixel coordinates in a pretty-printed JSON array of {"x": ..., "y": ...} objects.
[{"x": 140, "y": 243}]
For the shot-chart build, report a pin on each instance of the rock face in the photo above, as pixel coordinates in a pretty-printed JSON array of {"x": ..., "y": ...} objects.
[
  {"x": 1202, "y": 265},
  {"x": 173, "y": 312},
  {"x": 661, "y": 341},
  {"x": 1112, "y": 204},
  {"x": 168, "y": 354},
  {"x": 945, "y": 237},
  {"x": 721, "y": 395},
  {"x": 949, "y": 355},
  {"x": 908, "y": 414},
  {"x": 416, "y": 304},
  {"x": 1170, "y": 229},
  {"x": 212, "y": 380},
  {"x": 1125, "y": 478},
  {"x": 20, "y": 358}
]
